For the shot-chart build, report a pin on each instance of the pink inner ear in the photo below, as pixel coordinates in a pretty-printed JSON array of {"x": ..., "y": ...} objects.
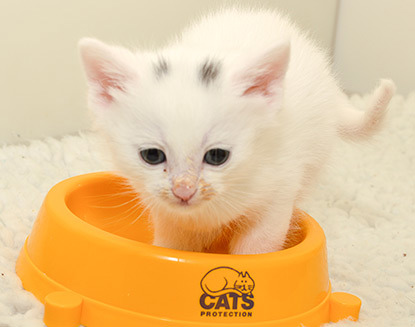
[
  {"x": 266, "y": 76},
  {"x": 107, "y": 83},
  {"x": 108, "y": 68},
  {"x": 261, "y": 86}
]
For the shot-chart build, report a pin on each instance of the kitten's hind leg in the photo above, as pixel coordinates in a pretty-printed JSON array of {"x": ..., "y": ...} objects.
[{"x": 268, "y": 234}]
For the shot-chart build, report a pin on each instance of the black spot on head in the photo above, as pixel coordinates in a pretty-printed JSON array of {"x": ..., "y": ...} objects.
[
  {"x": 161, "y": 68},
  {"x": 209, "y": 71}
]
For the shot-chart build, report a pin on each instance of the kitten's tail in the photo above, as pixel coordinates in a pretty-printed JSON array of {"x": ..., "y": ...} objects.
[{"x": 356, "y": 125}]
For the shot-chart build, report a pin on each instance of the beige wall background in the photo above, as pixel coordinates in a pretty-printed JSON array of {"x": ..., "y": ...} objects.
[
  {"x": 375, "y": 38},
  {"x": 42, "y": 88}
]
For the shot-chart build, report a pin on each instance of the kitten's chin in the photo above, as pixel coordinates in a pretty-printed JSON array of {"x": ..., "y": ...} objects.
[{"x": 199, "y": 215}]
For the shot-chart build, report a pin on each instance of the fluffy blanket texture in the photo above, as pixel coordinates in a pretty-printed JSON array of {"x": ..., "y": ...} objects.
[{"x": 365, "y": 202}]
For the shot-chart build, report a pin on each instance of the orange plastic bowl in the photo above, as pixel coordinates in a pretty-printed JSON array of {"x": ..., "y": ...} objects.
[{"x": 91, "y": 262}]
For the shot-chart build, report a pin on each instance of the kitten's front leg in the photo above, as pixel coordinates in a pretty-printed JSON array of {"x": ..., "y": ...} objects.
[
  {"x": 176, "y": 235},
  {"x": 268, "y": 234}
]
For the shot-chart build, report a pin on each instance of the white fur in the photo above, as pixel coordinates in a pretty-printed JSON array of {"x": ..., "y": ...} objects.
[{"x": 280, "y": 132}]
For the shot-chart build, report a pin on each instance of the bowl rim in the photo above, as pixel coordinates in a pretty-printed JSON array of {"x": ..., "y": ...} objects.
[{"x": 58, "y": 194}]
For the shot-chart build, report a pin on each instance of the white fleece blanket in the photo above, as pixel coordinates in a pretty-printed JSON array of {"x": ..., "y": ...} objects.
[{"x": 365, "y": 203}]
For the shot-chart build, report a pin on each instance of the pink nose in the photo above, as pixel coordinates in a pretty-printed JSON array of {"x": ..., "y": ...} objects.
[{"x": 184, "y": 189}]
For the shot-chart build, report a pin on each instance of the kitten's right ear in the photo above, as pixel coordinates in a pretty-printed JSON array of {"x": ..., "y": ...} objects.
[
  {"x": 264, "y": 75},
  {"x": 108, "y": 69}
]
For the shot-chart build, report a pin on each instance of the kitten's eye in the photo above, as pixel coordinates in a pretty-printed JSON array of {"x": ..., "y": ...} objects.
[
  {"x": 153, "y": 156},
  {"x": 216, "y": 157}
]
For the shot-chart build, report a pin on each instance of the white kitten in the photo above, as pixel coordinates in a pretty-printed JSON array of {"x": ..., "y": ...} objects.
[{"x": 230, "y": 123}]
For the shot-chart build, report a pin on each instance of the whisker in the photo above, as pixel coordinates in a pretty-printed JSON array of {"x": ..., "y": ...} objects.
[
  {"x": 136, "y": 199},
  {"x": 126, "y": 214}
]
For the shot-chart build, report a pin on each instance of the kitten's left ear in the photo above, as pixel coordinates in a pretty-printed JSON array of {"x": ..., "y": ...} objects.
[
  {"x": 264, "y": 76},
  {"x": 108, "y": 69}
]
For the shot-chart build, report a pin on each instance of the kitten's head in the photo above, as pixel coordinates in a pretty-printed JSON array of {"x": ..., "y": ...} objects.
[{"x": 186, "y": 129}]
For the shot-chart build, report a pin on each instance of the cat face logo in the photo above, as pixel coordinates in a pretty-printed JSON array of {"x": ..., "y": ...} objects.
[{"x": 227, "y": 292}]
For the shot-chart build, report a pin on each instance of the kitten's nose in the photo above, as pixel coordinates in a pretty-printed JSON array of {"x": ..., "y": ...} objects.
[{"x": 184, "y": 188}]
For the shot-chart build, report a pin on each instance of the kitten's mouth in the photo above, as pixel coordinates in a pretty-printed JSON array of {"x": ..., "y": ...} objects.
[
  {"x": 180, "y": 203},
  {"x": 176, "y": 203},
  {"x": 184, "y": 203}
]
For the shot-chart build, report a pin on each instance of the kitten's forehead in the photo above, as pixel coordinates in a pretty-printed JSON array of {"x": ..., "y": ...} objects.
[
  {"x": 201, "y": 68},
  {"x": 185, "y": 100},
  {"x": 180, "y": 93}
]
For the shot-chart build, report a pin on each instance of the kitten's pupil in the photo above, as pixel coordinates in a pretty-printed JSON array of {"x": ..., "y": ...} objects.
[
  {"x": 153, "y": 156},
  {"x": 216, "y": 157}
]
